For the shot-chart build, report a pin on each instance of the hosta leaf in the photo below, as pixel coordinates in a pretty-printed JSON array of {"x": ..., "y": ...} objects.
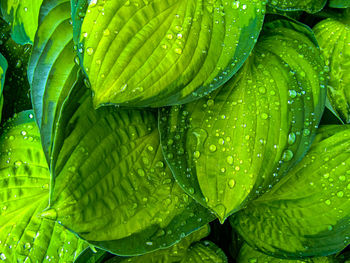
[
  {"x": 249, "y": 255},
  {"x": 152, "y": 53},
  {"x": 235, "y": 144},
  {"x": 307, "y": 212},
  {"x": 52, "y": 70},
  {"x": 90, "y": 256},
  {"x": 176, "y": 253},
  {"x": 23, "y": 15},
  {"x": 111, "y": 185},
  {"x": 339, "y": 3},
  {"x": 311, "y": 6},
  {"x": 3, "y": 68},
  {"x": 205, "y": 251},
  {"x": 24, "y": 192},
  {"x": 334, "y": 38}
]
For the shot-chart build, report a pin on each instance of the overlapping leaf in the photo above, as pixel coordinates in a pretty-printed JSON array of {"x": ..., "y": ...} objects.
[
  {"x": 311, "y": 6},
  {"x": 308, "y": 212},
  {"x": 111, "y": 185},
  {"x": 236, "y": 143},
  {"x": 23, "y": 15},
  {"x": 24, "y": 187},
  {"x": 334, "y": 38},
  {"x": 184, "y": 251},
  {"x": 3, "y": 68},
  {"x": 249, "y": 255},
  {"x": 153, "y": 53},
  {"x": 52, "y": 70}
]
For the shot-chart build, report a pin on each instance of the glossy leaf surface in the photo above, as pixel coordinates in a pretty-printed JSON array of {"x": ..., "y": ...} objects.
[
  {"x": 111, "y": 185},
  {"x": 235, "y": 144},
  {"x": 334, "y": 38},
  {"x": 154, "y": 53},
  {"x": 23, "y": 15},
  {"x": 24, "y": 192},
  {"x": 311, "y": 6},
  {"x": 3, "y": 68},
  {"x": 52, "y": 71},
  {"x": 339, "y": 3},
  {"x": 307, "y": 212}
]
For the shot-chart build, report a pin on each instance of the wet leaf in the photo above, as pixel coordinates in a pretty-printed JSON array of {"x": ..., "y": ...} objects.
[
  {"x": 249, "y": 255},
  {"x": 24, "y": 192},
  {"x": 52, "y": 70},
  {"x": 311, "y": 6},
  {"x": 307, "y": 212},
  {"x": 334, "y": 39},
  {"x": 111, "y": 185},
  {"x": 339, "y": 3},
  {"x": 23, "y": 15},
  {"x": 154, "y": 53},
  {"x": 238, "y": 142}
]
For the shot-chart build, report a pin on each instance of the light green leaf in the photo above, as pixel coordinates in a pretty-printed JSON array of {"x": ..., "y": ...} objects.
[
  {"x": 310, "y": 6},
  {"x": 90, "y": 256},
  {"x": 333, "y": 37},
  {"x": 23, "y": 15},
  {"x": 3, "y": 68},
  {"x": 205, "y": 251},
  {"x": 307, "y": 212},
  {"x": 52, "y": 70},
  {"x": 156, "y": 53},
  {"x": 24, "y": 191},
  {"x": 339, "y": 3},
  {"x": 249, "y": 255},
  {"x": 111, "y": 185},
  {"x": 235, "y": 144}
]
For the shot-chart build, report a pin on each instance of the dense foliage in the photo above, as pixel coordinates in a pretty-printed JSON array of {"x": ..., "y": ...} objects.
[{"x": 175, "y": 131}]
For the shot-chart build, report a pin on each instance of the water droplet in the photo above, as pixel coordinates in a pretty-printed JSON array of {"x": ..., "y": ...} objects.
[
  {"x": 327, "y": 202},
  {"x": 140, "y": 172},
  {"x": 264, "y": 116},
  {"x": 291, "y": 138},
  {"x": 212, "y": 148},
  {"x": 2, "y": 256},
  {"x": 229, "y": 160},
  {"x": 231, "y": 183},
  {"x": 90, "y": 51},
  {"x": 196, "y": 154},
  {"x": 287, "y": 155}
]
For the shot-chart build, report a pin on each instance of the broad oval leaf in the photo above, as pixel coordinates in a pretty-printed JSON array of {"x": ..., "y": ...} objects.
[
  {"x": 156, "y": 53},
  {"x": 52, "y": 71},
  {"x": 311, "y": 6},
  {"x": 3, "y": 68},
  {"x": 235, "y": 144},
  {"x": 307, "y": 212},
  {"x": 23, "y": 15},
  {"x": 249, "y": 255},
  {"x": 111, "y": 185},
  {"x": 24, "y": 192},
  {"x": 334, "y": 38}
]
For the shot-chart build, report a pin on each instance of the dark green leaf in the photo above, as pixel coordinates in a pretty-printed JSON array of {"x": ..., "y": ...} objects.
[
  {"x": 235, "y": 144},
  {"x": 3, "y": 68},
  {"x": 52, "y": 70},
  {"x": 339, "y": 3},
  {"x": 156, "y": 52},
  {"x": 23, "y": 15},
  {"x": 307, "y": 212}
]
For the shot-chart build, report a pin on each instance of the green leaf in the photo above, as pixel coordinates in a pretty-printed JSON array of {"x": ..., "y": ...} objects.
[
  {"x": 24, "y": 191},
  {"x": 3, "y": 68},
  {"x": 90, "y": 256},
  {"x": 176, "y": 253},
  {"x": 310, "y": 6},
  {"x": 307, "y": 212},
  {"x": 235, "y": 144},
  {"x": 249, "y": 255},
  {"x": 111, "y": 185},
  {"x": 205, "y": 251},
  {"x": 156, "y": 53},
  {"x": 333, "y": 36},
  {"x": 23, "y": 15},
  {"x": 339, "y": 3},
  {"x": 52, "y": 71}
]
